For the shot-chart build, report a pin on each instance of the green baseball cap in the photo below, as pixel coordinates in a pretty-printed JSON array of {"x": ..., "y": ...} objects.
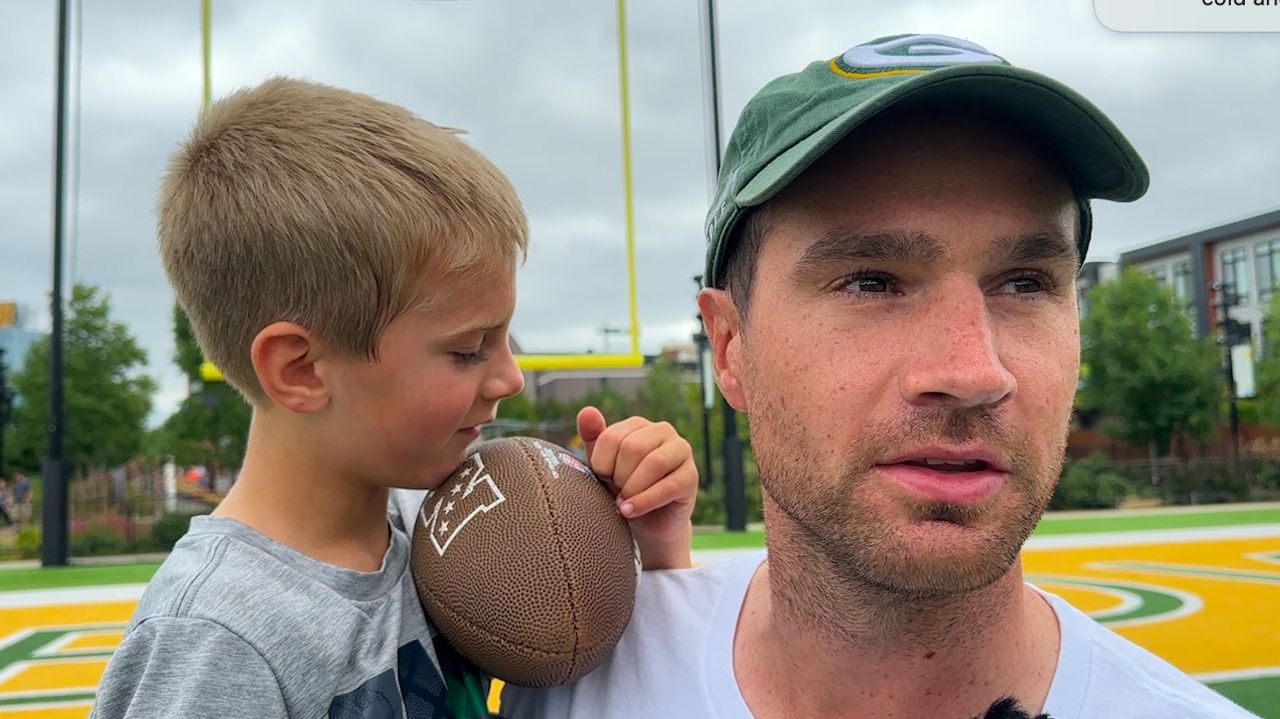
[{"x": 796, "y": 118}]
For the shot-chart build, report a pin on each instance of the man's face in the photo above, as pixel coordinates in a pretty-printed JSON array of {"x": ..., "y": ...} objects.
[{"x": 910, "y": 353}]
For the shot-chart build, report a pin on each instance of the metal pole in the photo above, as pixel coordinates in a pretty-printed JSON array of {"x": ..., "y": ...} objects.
[
  {"x": 707, "y": 388},
  {"x": 54, "y": 550},
  {"x": 4, "y": 408},
  {"x": 1226, "y": 300},
  {"x": 735, "y": 498}
]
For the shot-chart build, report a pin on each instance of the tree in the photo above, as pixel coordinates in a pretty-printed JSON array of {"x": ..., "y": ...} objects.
[
  {"x": 1268, "y": 386},
  {"x": 186, "y": 351},
  {"x": 1145, "y": 370},
  {"x": 211, "y": 426},
  {"x": 107, "y": 397}
]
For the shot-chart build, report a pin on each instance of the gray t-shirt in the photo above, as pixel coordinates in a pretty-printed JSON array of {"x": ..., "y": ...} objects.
[{"x": 236, "y": 625}]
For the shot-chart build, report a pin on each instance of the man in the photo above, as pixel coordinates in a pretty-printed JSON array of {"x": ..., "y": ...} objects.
[
  {"x": 891, "y": 298},
  {"x": 22, "y": 498}
]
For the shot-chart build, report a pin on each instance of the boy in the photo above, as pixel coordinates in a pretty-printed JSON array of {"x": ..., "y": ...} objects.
[{"x": 351, "y": 270}]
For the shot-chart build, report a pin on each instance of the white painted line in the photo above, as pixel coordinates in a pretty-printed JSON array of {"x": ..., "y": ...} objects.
[
  {"x": 1128, "y": 600},
  {"x": 1161, "y": 511},
  {"x": 74, "y": 595},
  {"x": 56, "y": 646},
  {"x": 1265, "y": 557},
  {"x": 18, "y": 667},
  {"x": 42, "y": 693},
  {"x": 22, "y": 634},
  {"x": 1074, "y": 541},
  {"x": 20, "y": 709},
  {"x": 1237, "y": 674},
  {"x": 1152, "y": 536}
]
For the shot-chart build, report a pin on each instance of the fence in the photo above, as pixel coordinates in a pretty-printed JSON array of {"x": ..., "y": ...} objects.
[
  {"x": 122, "y": 511},
  {"x": 1097, "y": 482}
]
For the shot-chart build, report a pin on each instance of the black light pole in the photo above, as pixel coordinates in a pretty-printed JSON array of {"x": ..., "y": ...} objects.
[
  {"x": 735, "y": 498},
  {"x": 54, "y": 548},
  {"x": 707, "y": 388},
  {"x": 1230, "y": 333},
  {"x": 6, "y": 404}
]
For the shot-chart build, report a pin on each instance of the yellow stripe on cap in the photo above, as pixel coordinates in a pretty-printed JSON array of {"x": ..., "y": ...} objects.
[{"x": 870, "y": 75}]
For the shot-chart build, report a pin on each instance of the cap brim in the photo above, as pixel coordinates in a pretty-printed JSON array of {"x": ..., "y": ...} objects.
[{"x": 1101, "y": 161}]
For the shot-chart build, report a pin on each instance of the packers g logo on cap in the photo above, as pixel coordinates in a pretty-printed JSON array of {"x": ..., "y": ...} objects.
[{"x": 910, "y": 54}]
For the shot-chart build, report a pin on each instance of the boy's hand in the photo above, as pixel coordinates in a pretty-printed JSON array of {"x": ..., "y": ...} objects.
[{"x": 651, "y": 469}]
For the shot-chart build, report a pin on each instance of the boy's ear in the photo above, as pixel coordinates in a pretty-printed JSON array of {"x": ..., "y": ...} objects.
[
  {"x": 284, "y": 357},
  {"x": 724, "y": 329}
]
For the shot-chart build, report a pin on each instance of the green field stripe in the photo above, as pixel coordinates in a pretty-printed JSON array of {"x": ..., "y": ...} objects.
[
  {"x": 728, "y": 540},
  {"x": 36, "y": 702},
  {"x": 1052, "y": 525},
  {"x": 1260, "y": 696},
  {"x": 25, "y": 648},
  {"x": 1151, "y": 601},
  {"x": 59, "y": 577},
  {"x": 1194, "y": 570},
  {"x": 140, "y": 573}
]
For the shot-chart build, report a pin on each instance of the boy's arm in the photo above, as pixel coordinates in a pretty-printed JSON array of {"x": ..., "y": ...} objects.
[
  {"x": 671, "y": 550},
  {"x": 652, "y": 469},
  {"x": 183, "y": 667}
]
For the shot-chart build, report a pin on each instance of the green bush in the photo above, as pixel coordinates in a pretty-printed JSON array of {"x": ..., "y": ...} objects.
[
  {"x": 28, "y": 542},
  {"x": 1267, "y": 475},
  {"x": 99, "y": 540},
  {"x": 710, "y": 508},
  {"x": 1208, "y": 483},
  {"x": 169, "y": 529},
  {"x": 1089, "y": 484}
]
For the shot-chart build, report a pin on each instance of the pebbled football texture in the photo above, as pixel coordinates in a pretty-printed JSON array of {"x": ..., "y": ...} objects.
[{"x": 524, "y": 564}]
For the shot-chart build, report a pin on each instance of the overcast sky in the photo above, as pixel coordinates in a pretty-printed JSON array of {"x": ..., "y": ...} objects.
[{"x": 536, "y": 86}]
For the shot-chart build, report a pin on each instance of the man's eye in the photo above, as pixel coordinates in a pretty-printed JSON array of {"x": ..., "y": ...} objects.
[
  {"x": 1023, "y": 285},
  {"x": 871, "y": 284}
]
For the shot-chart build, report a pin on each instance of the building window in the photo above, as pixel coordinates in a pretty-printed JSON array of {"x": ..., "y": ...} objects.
[
  {"x": 1268, "y": 269},
  {"x": 1158, "y": 274},
  {"x": 1182, "y": 282},
  {"x": 1235, "y": 272}
]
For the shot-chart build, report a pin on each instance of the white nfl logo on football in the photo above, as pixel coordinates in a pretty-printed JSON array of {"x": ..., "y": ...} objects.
[{"x": 455, "y": 509}]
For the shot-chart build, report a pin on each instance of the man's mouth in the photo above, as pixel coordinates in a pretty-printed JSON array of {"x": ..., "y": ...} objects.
[{"x": 949, "y": 465}]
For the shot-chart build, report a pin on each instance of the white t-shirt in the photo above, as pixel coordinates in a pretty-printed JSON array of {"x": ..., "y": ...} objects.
[{"x": 676, "y": 660}]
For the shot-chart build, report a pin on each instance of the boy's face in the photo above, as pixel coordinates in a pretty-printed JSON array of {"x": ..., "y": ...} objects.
[{"x": 407, "y": 419}]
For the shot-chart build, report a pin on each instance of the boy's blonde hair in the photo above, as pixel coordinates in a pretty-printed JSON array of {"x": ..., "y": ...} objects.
[{"x": 293, "y": 201}]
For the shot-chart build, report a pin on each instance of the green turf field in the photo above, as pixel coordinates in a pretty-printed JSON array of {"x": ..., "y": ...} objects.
[
  {"x": 75, "y": 576},
  {"x": 1055, "y": 525},
  {"x": 1208, "y": 569}
]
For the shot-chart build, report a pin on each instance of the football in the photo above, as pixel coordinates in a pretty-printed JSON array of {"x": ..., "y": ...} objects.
[{"x": 524, "y": 564}]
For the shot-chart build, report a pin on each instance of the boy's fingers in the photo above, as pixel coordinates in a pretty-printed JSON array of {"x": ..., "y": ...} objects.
[
  {"x": 658, "y": 464},
  {"x": 604, "y": 455},
  {"x": 673, "y": 488},
  {"x": 641, "y": 444},
  {"x": 591, "y": 423}
]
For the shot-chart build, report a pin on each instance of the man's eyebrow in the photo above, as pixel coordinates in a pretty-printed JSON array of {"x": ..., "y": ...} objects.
[
  {"x": 1036, "y": 247},
  {"x": 842, "y": 246}
]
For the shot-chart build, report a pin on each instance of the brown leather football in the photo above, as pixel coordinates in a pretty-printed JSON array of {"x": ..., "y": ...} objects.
[{"x": 524, "y": 564}]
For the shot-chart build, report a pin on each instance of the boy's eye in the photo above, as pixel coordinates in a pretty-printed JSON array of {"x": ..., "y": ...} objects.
[{"x": 470, "y": 358}]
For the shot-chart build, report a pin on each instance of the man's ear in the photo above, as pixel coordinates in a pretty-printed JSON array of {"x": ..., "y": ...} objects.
[
  {"x": 724, "y": 329},
  {"x": 285, "y": 357}
]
